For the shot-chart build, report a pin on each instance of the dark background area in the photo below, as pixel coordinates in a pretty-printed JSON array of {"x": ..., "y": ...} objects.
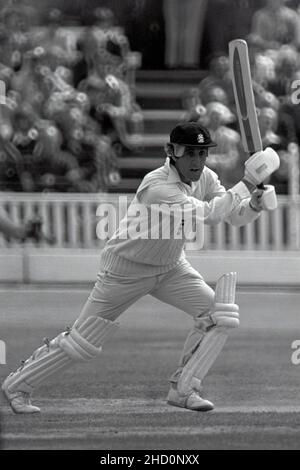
[{"x": 143, "y": 22}]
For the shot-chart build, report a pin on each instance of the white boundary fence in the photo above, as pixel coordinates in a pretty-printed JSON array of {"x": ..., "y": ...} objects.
[{"x": 72, "y": 220}]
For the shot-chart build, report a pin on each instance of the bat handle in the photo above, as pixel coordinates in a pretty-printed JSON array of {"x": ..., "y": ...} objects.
[{"x": 260, "y": 186}]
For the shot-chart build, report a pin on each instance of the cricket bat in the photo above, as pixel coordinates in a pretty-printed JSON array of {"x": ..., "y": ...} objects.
[{"x": 244, "y": 97}]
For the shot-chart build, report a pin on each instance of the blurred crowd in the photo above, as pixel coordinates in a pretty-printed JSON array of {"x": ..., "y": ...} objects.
[
  {"x": 68, "y": 106},
  {"x": 67, "y": 102},
  {"x": 274, "y": 45}
]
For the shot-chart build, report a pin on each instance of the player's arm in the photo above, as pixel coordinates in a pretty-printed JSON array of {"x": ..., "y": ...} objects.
[
  {"x": 213, "y": 211},
  {"x": 31, "y": 229},
  {"x": 209, "y": 212},
  {"x": 221, "y": 205},
  {"x": 9, "y": 228},
  {"x": 250, "y": 208},
  {"x": 243, "y": 213}
]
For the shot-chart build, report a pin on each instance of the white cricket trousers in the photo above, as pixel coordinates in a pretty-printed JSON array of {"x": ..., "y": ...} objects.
[
  {"x": 184, "y": 24},
  {"x": 182, "y": 287}
]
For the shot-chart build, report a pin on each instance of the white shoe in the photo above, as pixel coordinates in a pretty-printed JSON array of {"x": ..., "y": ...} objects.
[
  {"x": 19, "y": 400},
  {"x": 192, "y": 401}
]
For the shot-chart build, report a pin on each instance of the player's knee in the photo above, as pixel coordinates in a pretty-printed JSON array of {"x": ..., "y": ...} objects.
[
  {"x": 225, "y": 315},
  {"x": 207, "y": 302},
  {"x": 202, "y": 319},
  {"x": 85, "y": 339}
]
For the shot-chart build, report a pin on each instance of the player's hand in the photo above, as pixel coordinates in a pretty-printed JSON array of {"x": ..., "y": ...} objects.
[
  {"x": 264, "y": 199},
  {"x": 33, "y": 230},
  {"x": 261, "y": 165}
]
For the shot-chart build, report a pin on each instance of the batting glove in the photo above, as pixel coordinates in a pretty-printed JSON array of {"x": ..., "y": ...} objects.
[
  {"x": 264, "y": 199},
  {"x": 261, "y": 165}
]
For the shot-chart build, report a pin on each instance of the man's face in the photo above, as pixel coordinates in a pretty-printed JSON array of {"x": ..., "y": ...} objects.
[
  {"x": 220, "y": 66},
  {"x": 190, "y": 166}
]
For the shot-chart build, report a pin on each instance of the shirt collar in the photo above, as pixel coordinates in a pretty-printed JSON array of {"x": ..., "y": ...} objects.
[{"x": 173, "y": 176}]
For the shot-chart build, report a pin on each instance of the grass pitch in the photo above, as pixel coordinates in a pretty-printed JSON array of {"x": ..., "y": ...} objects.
[{"x": 118, "y": 402}]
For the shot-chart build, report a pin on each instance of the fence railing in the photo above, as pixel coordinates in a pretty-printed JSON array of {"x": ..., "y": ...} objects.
[{"x": 72, "y": 220}]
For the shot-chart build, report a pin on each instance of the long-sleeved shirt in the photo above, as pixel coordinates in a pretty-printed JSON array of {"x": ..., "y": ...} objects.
[{"x": 140, "y": 243}]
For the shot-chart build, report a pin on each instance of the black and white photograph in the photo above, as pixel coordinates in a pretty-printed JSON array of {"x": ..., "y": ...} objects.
[{"x": 149, "y": 227}]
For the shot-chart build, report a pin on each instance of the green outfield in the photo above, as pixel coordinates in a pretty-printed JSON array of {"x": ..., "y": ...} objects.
[{"x": 118, "y": 402}]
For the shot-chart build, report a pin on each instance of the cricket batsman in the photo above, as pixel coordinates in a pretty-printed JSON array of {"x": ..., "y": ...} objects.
[{"x": 131, "y": 267}]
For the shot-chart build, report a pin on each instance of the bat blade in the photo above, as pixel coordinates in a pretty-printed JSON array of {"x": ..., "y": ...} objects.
[{"x": 244, "y": 97}]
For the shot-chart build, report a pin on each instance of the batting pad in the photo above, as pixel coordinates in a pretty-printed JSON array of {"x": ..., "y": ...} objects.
[
  {"x": 213, "y": 341},
  {"x": 83, "y": 342}
]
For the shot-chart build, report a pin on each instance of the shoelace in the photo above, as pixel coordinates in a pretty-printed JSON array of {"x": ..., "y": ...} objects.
[{"x": 25, "y": 396}]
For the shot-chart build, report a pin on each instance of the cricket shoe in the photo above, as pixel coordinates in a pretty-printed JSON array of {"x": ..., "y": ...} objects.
[
  {"x": 19, "y": 400},
  {"x": 192, "y": 401}
]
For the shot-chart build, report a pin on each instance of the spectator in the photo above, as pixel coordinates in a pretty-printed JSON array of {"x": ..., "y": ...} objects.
[
  {"x": 226, "y": 20},
  {"x": 16, "y": 35},
  {"x": 263, "y": 67},
  {"x": 218, "y": 77},
  {"x": 59, "y": 43},
  {"x": 225, "y": 158},
  {"x": 275, "y": 25},
  {"x": 112, "y": 102},
  {"x": 268, "y": 123},
  {"x": 184, "y": 22},
  {"x": 49, "y": 139},
  {"x": 194, "y": 109},
  {"x": 275, "y": 137},
  {"x": 286, "y": 66},
  {"x": 215, "y": 93}
]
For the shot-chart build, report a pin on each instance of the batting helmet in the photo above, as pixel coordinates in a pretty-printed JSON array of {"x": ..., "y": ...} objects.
[{"x": 191, "y": 134}]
